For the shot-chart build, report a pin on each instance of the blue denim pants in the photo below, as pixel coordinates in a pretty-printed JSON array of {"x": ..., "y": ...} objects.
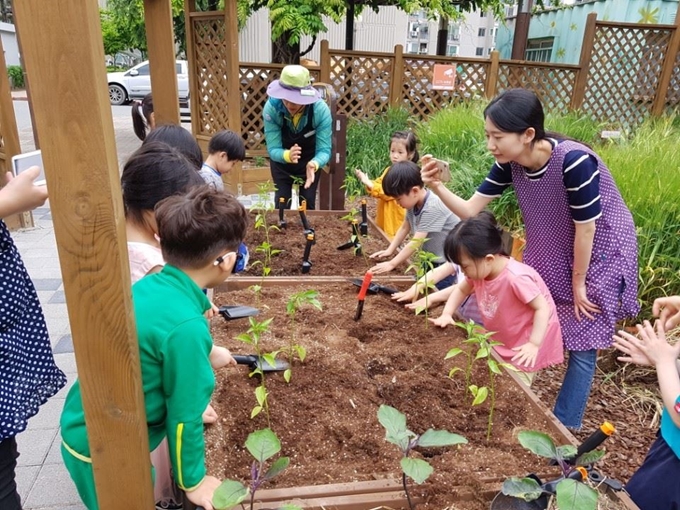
[
  {"x": 9, "y": 497},
  {"x": 570, "y": 405}
]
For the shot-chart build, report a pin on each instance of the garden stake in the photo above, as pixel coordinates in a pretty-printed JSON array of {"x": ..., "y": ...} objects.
[
  {"x": 363, "y": 226},
  {"x": 306, "y": 263},
  {"x": 354, "y": 240},
  {"x": 303, "y": 217},
  {"x": 362, "y": 294},
  {"x": 282, "y": 207}
]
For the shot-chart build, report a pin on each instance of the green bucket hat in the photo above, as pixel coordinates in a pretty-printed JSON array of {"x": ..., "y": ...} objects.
[{"x": 295, "y": 86}]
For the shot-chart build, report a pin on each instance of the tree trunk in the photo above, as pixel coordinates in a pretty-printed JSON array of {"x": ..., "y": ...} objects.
[
  {"x": 442, "y": 35},
  {"x": 284, "y": 52}
]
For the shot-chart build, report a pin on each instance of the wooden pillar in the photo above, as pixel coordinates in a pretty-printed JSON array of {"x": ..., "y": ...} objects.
[
  {"x": 194, "y": 103},
  {"x": 10, "y": 139},
  {"x": 325, "y": 63},
  {"x": 397, "y": 76},
  {"x": 63, "y": 53},
  {"x": 491, "y": 85},
  {"x": 160, "y": 41},
  {"x": 667, "y": 69},
  {"x": 233, "y": 78},
  {"x": 579, "y": 91}
]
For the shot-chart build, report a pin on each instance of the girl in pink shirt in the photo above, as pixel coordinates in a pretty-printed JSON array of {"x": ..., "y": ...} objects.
[{"x": 512, "y": 298}]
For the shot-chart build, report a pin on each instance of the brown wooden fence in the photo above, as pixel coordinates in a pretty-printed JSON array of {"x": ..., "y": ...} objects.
[{"x": 626, "y": 72}]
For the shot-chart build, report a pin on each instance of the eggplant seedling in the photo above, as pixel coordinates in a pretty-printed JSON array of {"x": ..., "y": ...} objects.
[
  {"x": 264, "y": 206},
  {"x": 397, "y": 433},
  {"x": 262, "y": 445},
  {"x": 295, "y": 303}
]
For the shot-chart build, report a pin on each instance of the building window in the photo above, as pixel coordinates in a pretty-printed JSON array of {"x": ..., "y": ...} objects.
[
  {"x": 489, "y": 50},
  {"x": 452, "y": 51},
  {"x": 412, "y": 48},
  {"x": 539, "y": 50},
  {"x": 454, "y": 32},
  {"x": 479, "y": 52},
  {"x": 481, "y": 32},
  {"x": 423, "y": 49}
]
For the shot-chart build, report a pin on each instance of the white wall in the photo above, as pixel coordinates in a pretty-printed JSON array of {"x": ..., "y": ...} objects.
[{"x": 9, "y": 43}]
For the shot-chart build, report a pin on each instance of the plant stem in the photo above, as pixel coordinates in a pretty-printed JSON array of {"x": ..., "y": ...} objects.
[
  {"x": 492, "y": 386},
  {"x": 408, "y": 496}
]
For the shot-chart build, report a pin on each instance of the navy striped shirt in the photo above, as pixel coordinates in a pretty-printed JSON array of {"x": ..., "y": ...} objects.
[{"x": 581, "y": 179}]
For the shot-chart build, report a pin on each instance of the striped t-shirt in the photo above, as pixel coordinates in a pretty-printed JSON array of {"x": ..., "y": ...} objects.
[
  {"x": 581, "y": 179},
  {"x": 434, "y": 218}
]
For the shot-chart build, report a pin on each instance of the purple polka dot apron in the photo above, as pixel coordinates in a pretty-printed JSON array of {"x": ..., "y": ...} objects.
[{"x": 611, "y": 281}]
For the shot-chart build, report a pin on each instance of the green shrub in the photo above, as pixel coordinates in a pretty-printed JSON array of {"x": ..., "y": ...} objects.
[{"x": 16, "y": 76}]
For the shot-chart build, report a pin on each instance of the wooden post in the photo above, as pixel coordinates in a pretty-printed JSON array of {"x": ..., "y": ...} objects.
[
  {"x": 10, "y": 139},
  {"x": 325, "y": 71},
  {"x": 581, "y": 82},
  {"x": 491, "y": 84},
  {"x": 233, "y": 79},
  {"x": 397, "y": 76},
  {"x": 63, "y": 53},
  {"x": 160, "y": 41},
  {"x": 667, "y": 69},
  {"x": 189, "y": 7}
]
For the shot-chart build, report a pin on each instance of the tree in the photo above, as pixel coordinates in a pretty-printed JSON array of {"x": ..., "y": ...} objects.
[{"x": 114, "y": 42}]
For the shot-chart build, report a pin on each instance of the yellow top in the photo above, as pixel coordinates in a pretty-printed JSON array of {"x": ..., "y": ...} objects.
[{"x": 390, "y": 215}]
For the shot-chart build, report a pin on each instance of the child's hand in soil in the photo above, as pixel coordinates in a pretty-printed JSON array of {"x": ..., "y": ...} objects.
[
  {"x": 526, "y": 354},
  {"x": 203, "y": 494},
  {"x": 406, "y": 295},
  {"x": 442, "y": 321},
  {"x": 420, "y": 304},
  {"x": 382, "y": 254},
  {"x": 209, "y": 415},
  {"x": 383, "y": 267},
  {"x": 220, "y": 357}
]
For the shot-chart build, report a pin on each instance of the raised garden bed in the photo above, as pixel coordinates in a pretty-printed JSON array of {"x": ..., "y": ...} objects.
[{"x": 326, "y": 416}]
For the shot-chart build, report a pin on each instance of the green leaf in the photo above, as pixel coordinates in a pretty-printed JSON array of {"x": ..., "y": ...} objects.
[
  {"x": 245, "y": 338},
  {"x": 289, "y": 506},
  {"x": 287, "y": 375},
  {"x": 277, "y": 467},
  {"x": 302, "y": 352},
  {"x": 493, "y": 366},
  {"x": 453, "y": 352},
  {"x": 270, "y": 358},
  {"x": 454, "y": 370},
  {"x": 256, "y": 410},
  {"x": 481, "y": 395},
  {"x": 433, "y": 437},
  {"x": 416, "y": 469},
  {"x": 261, "y": 395},
  {"x": 566, "y": 451},
  {"x": 527, "y": 489},
  {"x": 263, "y": 444},
  {"x": 590, "y": 457},
  {"x": 573, "y": 495},
  {"x": 229, "y": 494},
  {"x": 483, "y": 352},
  {"x": 538, "y": 443},
  {"x": 393, "y": 421}
]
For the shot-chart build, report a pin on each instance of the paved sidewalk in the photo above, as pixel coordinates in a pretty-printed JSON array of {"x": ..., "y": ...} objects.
[{"x": 42, "y": 479}]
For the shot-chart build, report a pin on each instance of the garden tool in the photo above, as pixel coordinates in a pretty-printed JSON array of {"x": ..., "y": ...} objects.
[
  {"x": 362, "y": 295},
  {"x": 354, "y": 240},
  {"x": 282, "y": 207},
  {"x": 363, "y": 226},
  {"x": 592, "y": 441},
  {"x": 374, "y": 287},
  {"x": 307, "y": 229},
  {"x": 306, "y": 263},
  {"x": 231, "y": 312},
  {"x": 253, "y": 362}
]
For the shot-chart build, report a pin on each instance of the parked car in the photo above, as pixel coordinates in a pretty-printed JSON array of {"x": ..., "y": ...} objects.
[{"x": 135, "y": 83}]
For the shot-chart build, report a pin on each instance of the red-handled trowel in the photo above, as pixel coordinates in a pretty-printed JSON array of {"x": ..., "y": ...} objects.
[{"x": 362, "y": 294}]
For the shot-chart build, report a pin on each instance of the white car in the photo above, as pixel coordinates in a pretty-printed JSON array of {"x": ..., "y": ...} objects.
[{"x": 135, "y": 83}]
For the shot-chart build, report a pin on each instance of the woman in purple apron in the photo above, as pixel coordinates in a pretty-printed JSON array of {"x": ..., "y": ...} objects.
[
  {"x": 580, "y": 235},
  {"x": 297, "y": 130}
]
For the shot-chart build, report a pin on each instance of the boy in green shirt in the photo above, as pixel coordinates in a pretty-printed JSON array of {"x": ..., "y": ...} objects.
[{"x": 200, "y": 234}]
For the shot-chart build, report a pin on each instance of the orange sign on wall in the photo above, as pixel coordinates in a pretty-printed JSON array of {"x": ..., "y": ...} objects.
[{"x": 444, "y": 77}]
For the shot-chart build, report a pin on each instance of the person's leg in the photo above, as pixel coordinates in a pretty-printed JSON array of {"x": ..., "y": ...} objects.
[
  {"x": 573, "y": 396},
  {"x": 83, "y": 477},
  {"x": 310, "y": 194},
  {"x": 284, "y": 186},
  {"x": 9, "y": 497}
]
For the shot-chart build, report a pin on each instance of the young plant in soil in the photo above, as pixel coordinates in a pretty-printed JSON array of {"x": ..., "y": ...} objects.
[
  {"x": 397, "y": 433},
  {"x": 570, "y": 493},
  {"x": 355, "y": 237},
  {"x": 480, "y": 341},
  {"x": 252, "y": 337},
  {"x": 263, "y": 206},
  {"x": 295, "y": 303},
  {"x": 262, "y": 445},
  {"x": 422, "y": 262}
]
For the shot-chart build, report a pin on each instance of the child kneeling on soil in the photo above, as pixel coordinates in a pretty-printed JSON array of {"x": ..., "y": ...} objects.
[
  {"x": 174, "y": 340},
  {"x": 652, "y": 487},
  {"x": 427, "y": 219},
  {"x": 512, "y": 298}
]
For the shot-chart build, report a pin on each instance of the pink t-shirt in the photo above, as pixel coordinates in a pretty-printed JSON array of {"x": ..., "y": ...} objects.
[
  {"x": 143, "y": 258},
  {"x": 504, "y": 305}
]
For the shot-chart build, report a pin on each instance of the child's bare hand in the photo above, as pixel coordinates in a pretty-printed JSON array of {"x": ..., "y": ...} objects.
[
  {"x": 627, "y": 344},
  {"x": 667, "y": 309},
  {"x": 653, "y": 343},
  {"x": 209, "y": 415},
  {"x": 203, "y": 494},
  {"x": 526, "y": 355},
  {"x": 383, "y": 267},
  {"x": 21, "y": 194},
  {"x": 220, "y": 357},
  {"x": 442, "y": 321},
  {"x": 214, "y": 310},
  {"x": 420, "y": 304},
  {"x": 382, "y": 254},
  {"x": 406, "y": 295}
]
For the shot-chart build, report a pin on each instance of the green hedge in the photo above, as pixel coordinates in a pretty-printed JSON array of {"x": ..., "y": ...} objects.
[{"x": 16, "y": 76}]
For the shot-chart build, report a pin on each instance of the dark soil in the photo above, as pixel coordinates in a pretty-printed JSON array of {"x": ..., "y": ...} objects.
[{"x": 326, "y": 416}]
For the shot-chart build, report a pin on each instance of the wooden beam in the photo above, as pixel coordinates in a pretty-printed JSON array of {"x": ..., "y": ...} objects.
[
  {"x": 667, "y": 69},
  {"x": 579, "y": 91},
  {"x": 397, "y": 76},
  {"x": 63, "y": 53},
  {"x": 233, "y": 80},
  {"x": 160, "y": 42},
  {"x": 491, "y": 85},
  {"x": 194, "y": 103}
]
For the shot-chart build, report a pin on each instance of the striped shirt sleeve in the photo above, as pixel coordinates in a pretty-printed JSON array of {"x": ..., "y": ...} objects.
[
  {"x": 497, "y": 181},
  {"x": 581, "y": 178}
]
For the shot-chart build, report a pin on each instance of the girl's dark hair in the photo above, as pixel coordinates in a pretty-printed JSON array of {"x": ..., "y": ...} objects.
[
  {"x": 409, "y": 140},
  {"x": 197, "y": 227},
  {"x": 401, "y": 178},
  {"x": 179, "y": 138},
  {"x": 516, "y": 110},
  {"x": 477, "y": 237},
  {"x": 229, "y": 142},
  {"x": 141, "y": 116},
  {"x": 154, "y": 171}
]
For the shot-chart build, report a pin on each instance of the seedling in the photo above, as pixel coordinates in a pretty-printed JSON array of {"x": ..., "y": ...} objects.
[
  {"x": 262, "y": 445},
  {"x": 570, "y": 492},
  {"x": 252, "y": 337},
  {"x": 263, "y": 206},
  {"x": 423, "y": 263},
  {"x": 295, "y": 303},
  {"x": 397, "y": 433}
]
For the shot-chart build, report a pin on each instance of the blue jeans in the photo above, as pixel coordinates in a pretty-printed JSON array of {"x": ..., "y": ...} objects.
[{"x": 570, "y": 405}]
